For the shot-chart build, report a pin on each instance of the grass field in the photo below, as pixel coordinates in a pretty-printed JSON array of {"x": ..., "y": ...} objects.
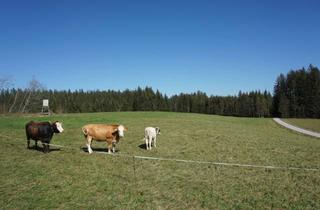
[
  {"x": 71, "y": 178},
  {"x": 309, "y": 124}
]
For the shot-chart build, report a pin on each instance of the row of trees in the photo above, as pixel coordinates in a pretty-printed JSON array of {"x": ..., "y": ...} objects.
[
  {"x": 298, "y": 94},
  {"x": 253, "y": 104},
  {"x": 295, "y": 95}
]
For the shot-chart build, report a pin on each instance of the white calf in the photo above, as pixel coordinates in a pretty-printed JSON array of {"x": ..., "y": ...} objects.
[{"x": 150, "y": 135}]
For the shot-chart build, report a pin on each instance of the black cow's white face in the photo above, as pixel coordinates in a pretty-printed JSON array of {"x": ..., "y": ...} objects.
[{"x": 59, "y": 126}]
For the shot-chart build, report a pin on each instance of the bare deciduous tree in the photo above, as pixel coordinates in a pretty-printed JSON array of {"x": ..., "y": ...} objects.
[
  {"x": 5, "y": 82},
  {"x": 14, "y": 102},
  {"x": 33, "y": 87}
]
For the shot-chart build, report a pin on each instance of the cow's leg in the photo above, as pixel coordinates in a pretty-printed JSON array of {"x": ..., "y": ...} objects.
[
  {"x": 36, "y": 144},
  {"x": 89, "y": 140},
  {"x": 150, "y": 142},
  {"x": 109, "y": 147},
  {"x": 113, "y": 148},
  {"x": 155, "y": 141},
  {"x": 28, "y": 143},
  {"x": 44, "y": 147},
  {"x": 147, "y": 142}
]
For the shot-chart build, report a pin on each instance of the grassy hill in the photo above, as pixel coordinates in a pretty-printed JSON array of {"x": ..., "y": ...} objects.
[{"x": 71, "y": 178}]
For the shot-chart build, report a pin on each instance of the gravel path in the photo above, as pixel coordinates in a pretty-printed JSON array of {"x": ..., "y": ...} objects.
[{"x": 300, "y": 130}]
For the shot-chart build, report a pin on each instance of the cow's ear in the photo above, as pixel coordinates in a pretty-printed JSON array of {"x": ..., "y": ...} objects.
[
  {"x": 125, "y": 129},
  {"x": 115, "y": 129}
]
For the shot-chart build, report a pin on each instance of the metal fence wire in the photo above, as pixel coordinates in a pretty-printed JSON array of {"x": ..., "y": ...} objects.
[{"x": 182, "y": 160}]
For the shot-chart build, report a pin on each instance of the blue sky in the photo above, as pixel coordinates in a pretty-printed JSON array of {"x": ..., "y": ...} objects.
[{"x": 219, "y": 47}]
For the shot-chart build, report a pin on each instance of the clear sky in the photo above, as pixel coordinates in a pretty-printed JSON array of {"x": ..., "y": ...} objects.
[{"x": 219, "y": 47}]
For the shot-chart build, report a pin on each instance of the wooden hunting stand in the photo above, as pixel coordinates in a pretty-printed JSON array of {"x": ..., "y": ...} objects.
[{"x": 45, "y": 107}]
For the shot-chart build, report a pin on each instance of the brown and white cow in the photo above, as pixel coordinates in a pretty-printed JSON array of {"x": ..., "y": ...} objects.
[{"x": 102, "y": 132}]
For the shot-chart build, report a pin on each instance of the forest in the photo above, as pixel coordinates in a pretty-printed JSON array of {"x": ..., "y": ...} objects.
[{"x": 296, "y": 94}]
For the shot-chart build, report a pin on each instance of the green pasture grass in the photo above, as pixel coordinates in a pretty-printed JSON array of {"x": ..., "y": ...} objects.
[
  {"x": 309, "y": 124},
  {"x": 70, "y": 178}
]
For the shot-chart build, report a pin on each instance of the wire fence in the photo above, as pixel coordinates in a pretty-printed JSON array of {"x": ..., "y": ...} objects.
[{"x": 183, "y": 160}]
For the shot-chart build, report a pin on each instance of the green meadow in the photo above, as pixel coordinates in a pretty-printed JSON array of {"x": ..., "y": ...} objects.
[
  {"x": 70, "y": 178},
  {"x": 309, "y": 124}
]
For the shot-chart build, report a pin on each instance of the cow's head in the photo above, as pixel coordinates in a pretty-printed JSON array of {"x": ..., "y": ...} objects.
[
  {"x": 120, "y": 129},
  {"x": 158, "y": 131},
  {"x": 57, "y": 127}
]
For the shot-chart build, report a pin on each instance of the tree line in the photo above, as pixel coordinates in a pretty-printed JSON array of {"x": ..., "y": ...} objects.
[
  {"x": 298, "y": 94},
  {"x": 295, "y": 95},
  {"x": 253, "y": 104}
]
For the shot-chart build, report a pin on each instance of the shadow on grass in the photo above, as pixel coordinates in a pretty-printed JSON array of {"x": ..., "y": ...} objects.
[
  {"x": 143, "y": 146},
  {"x": 40, "y": 148},
  {"x": 85, "y": 149}
]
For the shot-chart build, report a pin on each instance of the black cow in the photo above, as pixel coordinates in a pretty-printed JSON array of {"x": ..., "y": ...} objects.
[{"x": 42, "y": 131}]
